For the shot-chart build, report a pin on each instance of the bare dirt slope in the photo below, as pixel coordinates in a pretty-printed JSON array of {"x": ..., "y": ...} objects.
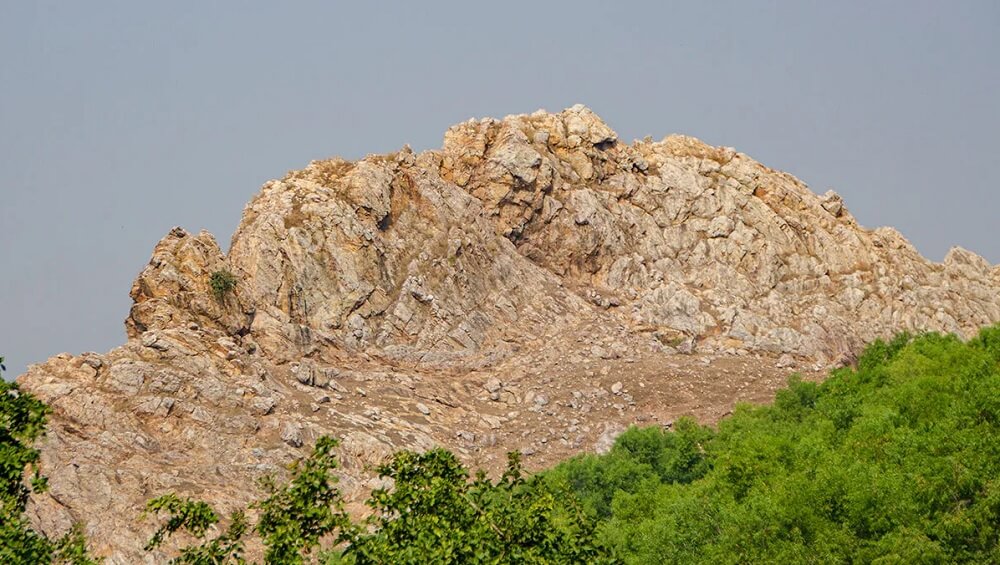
[{"x": 535, "y": 284}]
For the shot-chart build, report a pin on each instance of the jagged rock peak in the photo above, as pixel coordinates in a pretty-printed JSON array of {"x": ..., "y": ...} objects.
[
  {"x": 521, "y": 218},
  {"x": 508, "y": 280}
]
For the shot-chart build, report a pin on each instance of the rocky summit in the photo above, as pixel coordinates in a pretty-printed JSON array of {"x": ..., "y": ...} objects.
[{"x": 535, "y": 284}]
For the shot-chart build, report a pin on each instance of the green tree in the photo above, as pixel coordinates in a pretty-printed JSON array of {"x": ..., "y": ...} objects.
[
  {"x": 432, "y": 514},
  {"x": 294, "y": 518},
  {"x": 894, "y": 461},
  {"x": 22, "y": 423},
  {"x": 435, "y": 514},
  {"x": 196, "y": 518}
]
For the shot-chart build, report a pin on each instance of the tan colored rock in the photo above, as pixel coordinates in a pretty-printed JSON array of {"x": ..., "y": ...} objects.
[{"x": 536, "y": 254}]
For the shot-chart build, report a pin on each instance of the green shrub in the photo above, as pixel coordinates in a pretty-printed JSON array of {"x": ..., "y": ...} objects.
[
  {"x": 895, "y": 461},
  {"x": 222, "y": 282},
  {"x": 22, "y": 423},
  {"x": 432, "y": 514},
  {"x": 435, "y": 514},
  {"x": 292, "y": 519}
]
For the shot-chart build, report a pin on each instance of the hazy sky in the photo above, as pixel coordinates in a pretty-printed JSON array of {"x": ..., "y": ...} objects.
[{"x": 119, "y": 120}]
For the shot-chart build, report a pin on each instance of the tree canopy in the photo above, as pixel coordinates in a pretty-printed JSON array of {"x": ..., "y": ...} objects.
[{"x": 895, "y": 461}]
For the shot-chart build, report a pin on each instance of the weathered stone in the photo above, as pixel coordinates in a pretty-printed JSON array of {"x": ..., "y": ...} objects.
[
  {"x": 262, "y": 405},
  {"x": 786, "y": 361},
  {"x": 292, "y": 435},
  {"x": 833, "y": 203},
  {"x": 531, "y": 246},
  {"x": 607, "y": 439}
]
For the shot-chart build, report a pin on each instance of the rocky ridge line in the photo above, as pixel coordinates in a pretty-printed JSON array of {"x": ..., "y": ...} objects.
[{"x": 535, "y": 284}]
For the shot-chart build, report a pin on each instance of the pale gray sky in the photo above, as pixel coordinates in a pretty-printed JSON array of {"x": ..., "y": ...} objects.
[{"x": 119, "y": 120}]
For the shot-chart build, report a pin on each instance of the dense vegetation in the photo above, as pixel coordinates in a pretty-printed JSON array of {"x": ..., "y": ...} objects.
[
  {"x": 897, "y": 461},
  {"x": 894, "y": 461}
]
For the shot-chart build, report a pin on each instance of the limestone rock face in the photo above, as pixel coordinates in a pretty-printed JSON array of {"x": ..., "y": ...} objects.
[
  {"x": 433, "y": 256},
  {"x": 173, "y": 290},
  {"x": 485, "y": 296}
]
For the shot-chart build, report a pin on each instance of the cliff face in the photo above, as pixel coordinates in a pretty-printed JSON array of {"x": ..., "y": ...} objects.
[{"x": 482, "y": 296}]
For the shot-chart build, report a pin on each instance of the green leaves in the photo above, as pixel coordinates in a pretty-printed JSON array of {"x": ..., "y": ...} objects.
[
  {"x": 194, "y": 516},
  {"x": 72, "y": 548},
  {"x": 434, "y": 514},
  {"x": 222, "y": 283},
  {"x": 896, "y": 461},
  {"x": 295, "y": 517},
  {"x": 22, "y": 423},
  {"x": 292, "y": 519}
]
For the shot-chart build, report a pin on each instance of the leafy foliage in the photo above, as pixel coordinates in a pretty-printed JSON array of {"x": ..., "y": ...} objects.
[
  {"x": 295, "y": 517},
  {"x": 639, "y": 456},
  {"x": 71, "y": 549},
  {"x": 434, "y": 514},
  {"x": 222, "y": 283},
  {"x": 896, "y": 461},
  {"x": 196, "y": 518},
  {"x": 22, "y": 422}
]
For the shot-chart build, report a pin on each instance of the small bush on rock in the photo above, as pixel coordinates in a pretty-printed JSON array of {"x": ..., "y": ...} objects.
[{"x": 222, "y": 282}]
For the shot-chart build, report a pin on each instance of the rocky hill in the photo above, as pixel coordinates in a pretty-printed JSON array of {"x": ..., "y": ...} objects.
[{"x": 535, "y": 284}]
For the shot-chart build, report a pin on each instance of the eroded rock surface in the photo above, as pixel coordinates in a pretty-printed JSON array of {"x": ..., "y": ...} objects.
[{"x": 535, "y": 284}]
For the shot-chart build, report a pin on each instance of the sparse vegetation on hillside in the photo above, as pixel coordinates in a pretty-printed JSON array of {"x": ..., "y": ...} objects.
[
  {"x": 894, "y": 461},
  {"x": 222, "y": 282}
]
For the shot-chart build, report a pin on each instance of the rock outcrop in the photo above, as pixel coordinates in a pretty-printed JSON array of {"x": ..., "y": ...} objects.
[{"x": 534, "y": 284}]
